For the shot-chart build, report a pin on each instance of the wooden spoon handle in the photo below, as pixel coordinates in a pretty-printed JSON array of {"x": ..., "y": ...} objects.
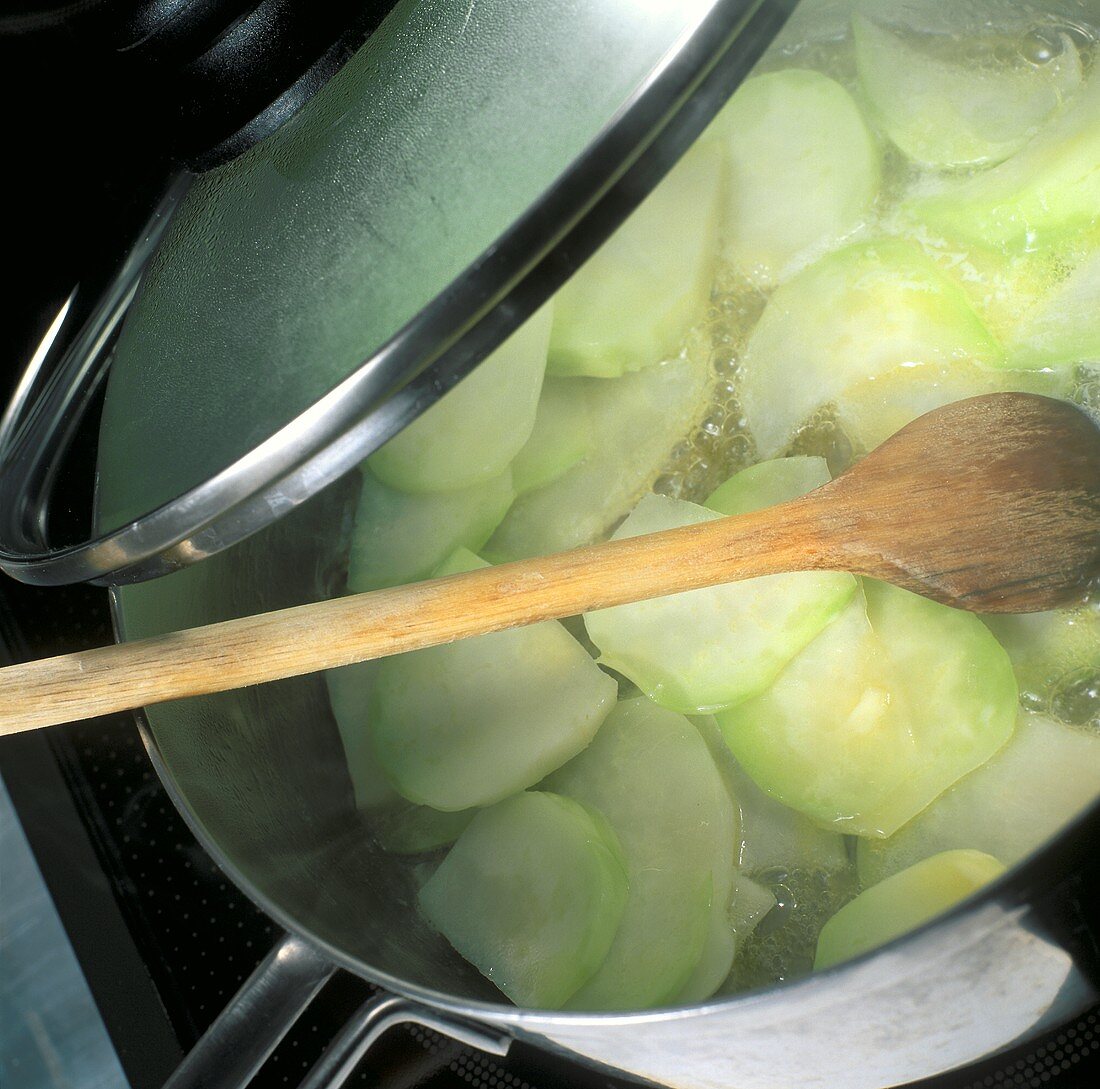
[{"x": 290, "y": 642}]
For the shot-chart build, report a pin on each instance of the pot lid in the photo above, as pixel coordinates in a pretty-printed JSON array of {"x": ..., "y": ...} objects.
[{"x": 286, "y": 313}]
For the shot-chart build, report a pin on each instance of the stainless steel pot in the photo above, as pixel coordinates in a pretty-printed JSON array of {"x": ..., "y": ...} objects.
[{"x": 260, "y": 775}]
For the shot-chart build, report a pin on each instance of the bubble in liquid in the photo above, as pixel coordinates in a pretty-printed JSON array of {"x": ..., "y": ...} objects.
[
  {"x": 1041, "y": 45},
  {"x": 1076, "y": 699},
  {"x": 822, "y": 436}
]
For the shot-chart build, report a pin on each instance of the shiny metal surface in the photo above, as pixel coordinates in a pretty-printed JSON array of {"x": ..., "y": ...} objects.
[
  {"x": 257, "y": 1018},
  {"x": 261, "y": 777},
  {"x": 710, "y": 48}
]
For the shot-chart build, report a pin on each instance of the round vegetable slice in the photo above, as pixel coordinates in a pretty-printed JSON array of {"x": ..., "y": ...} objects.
[
  {"x": 1046, "y": 192},
  {"x": 949, "y": 111},
  {"x": 634, "y": 301},
  {"x": 531, "y": 894},
  {"x": 636, "y": 422},
  {"x": 562, "y": 435},
  {"x": 349, "y": 694},
  {"x": 862, "y": 312},
  {"x": 879, "y": 715},
  {"x": 707, "y": 649},
  {"x": 399, "y": 538},
  {"x": 902, "y": 902},
  {"x": 471, "y": 434},
  {"x": 471, "y": 722},
  {"x": 769, "y": 483},
  {"x": 804, "y": 170},
  {"x": 1044, "y": 776},
  {"x": 652, "y": 776}
]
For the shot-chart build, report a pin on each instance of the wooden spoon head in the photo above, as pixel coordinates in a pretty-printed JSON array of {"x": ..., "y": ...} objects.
[{"x": 991, "y": 504}]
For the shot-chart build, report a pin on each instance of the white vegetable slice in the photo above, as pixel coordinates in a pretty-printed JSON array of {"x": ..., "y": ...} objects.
[
  {"x": 879, "y": 715},
  {"x": 531, "y": 894},
  {"x": 471, "y": 434},
  {"x": 859, "y": 313},
  {"x": 1044, "y": 776},
  {"x": 1045, "y": 193},
  {"x": 708, "y": 649},
  {"x": 636, "y": 422},
  {"x": 399, "y": 538},
  {"x": 349, "y": 693},
  {"x": 562, "y": 435},
  {"x": 902, "y": 902},
  {"x": 652, "y": 776},
  {"x": 945, "y": 111},
  {"x": 804, "y": 170},
  {"x": 471, "y": 722},
  {"x": 633, "y": 302}
]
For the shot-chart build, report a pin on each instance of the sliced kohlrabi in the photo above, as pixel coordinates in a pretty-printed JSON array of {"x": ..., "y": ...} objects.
[
  {"x": 561, "y": 438},
  {"x": 349, "y": 694},
  {"x": 637, "y": 420},
  {"x": 1056, "y": 656},
  {"x": 804, "y": 170},
  {"x": 870, "y": 412},
  {"x": 633, "y": 302},
  {"x": 1043, "y": 194},
  {"x": 703, "y": 650},
  {"x": 944, "y": 109},
  {"x": 471, "y": 722},
  {"x": 399, "y": 538},
  {"x": 531, "y": 895},
  {"x": 902, "y": 902},
  {"x": 860, "y": 313},
  {"x": 408, "y": 829},
  {"x": 1065, "y": 326},
  {"x": 889, "y": 706},
  {"x": 1043, "y": 777},
  {"x": 651, "y": 775},
  {"x": 769, "y": 483},
  {"x": 470, "y": 435}
]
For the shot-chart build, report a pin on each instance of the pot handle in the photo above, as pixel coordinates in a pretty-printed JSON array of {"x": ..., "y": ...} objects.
[
  {"x": 258, "y": 1016},
  {"x": 379, "y": 1014}
]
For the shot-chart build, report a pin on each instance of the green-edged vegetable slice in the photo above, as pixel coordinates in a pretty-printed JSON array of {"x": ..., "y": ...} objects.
[
  {"x": 532, "y": 895},
  {"x": 879, "y": 715},
  {"x": 637, "y": 420},
  {"x": 407, "y": 829},
  {"x": 1046, "y": 192},
  {"x": 633, "y": 302},
  {"x": 471, "y": 722},
  {"x": 902, "y": 902},
  {"x": 349, "y": 694},
  {"x": 399, "y": 538},
  {"x": 858, "y": 314},
  {"x": 470, "y": 435},
  {"x": 561, "y": 438},
  {"x": 768, "y": 484},
  {"x": 804, "y": 170},
  {"x": 952, "y": 110},
  {"x": 1044, "y": 776},
  {"x": 651, "y": 775},
  {"x": 709, "y": 649}
]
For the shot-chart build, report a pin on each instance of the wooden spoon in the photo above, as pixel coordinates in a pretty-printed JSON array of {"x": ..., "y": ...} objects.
[{"x": 990, "y": 504}]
